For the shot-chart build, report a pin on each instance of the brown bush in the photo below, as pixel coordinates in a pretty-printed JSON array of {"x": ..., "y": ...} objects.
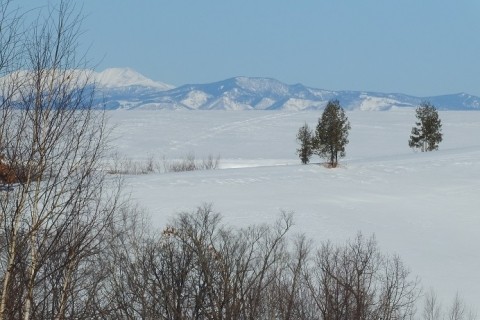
[
  {"x": 10, "y": 174},
  {"x": 7, "y": 174}
]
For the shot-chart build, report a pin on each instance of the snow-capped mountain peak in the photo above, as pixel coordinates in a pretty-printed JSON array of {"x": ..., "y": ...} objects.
[{"x": 125, "y": 77}]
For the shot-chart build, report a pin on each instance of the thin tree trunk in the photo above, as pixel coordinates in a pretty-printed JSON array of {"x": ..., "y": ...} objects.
[
  {"x": 6, "y": 280},
  {"x": 65, "y": 288}
]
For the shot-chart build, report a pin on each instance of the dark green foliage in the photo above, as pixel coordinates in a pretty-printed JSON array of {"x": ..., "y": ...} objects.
[
  {"x": 331, "y": 135},
  {"x": 427, "y": 133},
  {"x": 305, "y": 138}
]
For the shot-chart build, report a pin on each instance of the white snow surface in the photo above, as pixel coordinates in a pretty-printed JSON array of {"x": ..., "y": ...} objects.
[
  {"x": 264, "y": 104},
  {"x": 195, "y": 99},
  {"x": 300, "y": 104},
  {"x": 422, "y": 206},
  {"x": 376, "y": 104},
  {"x": 227, "y": 103}
]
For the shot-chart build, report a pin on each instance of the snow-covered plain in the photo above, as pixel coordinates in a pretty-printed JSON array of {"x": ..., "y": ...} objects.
[{"x": 421, "y": 206}]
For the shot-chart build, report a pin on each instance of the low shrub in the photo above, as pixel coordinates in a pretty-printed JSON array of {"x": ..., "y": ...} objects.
[
  {"x": 124, "y": 165},
  {"x": 190, "y": 163}
]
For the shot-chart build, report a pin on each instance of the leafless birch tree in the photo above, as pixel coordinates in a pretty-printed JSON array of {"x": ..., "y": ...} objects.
[{"x": 56, "y": 203}]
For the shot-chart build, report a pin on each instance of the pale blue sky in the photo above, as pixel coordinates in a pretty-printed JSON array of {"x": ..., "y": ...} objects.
[{"x": 419, "y": 47}]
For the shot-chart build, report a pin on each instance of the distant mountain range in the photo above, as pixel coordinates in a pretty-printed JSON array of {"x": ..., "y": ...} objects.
[{"x": 124, "y": 88}]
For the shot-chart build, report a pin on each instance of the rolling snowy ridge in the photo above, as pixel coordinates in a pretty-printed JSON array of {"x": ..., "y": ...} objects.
[
  {"x": 124, "y": 88},
  {"x": 245, "y": 93}
]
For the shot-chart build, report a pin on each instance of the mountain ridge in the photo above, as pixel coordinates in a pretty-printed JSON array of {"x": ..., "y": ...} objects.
[
  {"x": 262, "y": 93},
  {"x": 124, "y": 88}
]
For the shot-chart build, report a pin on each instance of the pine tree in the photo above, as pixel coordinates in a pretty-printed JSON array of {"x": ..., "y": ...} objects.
[
  {"x": 427, "y": 133},
  {"x": 305, "y": 138},
  {"x": 331, "y": 135}
]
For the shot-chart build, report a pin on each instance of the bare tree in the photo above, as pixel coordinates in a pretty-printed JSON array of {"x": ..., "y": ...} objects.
[
  {"x": 357, "y": 282},
  {"x": 432, "y": 307},
  {"x": 459, "y": 311},
  {"x": 196, "y": 268},
  {"x": 290, "y": 296},
  {"x": 54, "y": 213}
]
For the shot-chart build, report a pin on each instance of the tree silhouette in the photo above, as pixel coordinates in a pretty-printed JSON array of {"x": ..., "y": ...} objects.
[
  {"x": 331, "y": 135},
  {"x": 427, "y": 133},
  {"x": 305, "y": 138}
]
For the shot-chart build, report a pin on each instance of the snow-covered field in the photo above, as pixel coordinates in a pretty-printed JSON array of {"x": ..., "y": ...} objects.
[{"x": 423, "y": 206}]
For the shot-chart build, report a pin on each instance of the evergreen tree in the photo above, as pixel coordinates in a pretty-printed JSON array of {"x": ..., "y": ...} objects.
[
  {"x": 427, "y": 133},
  {"x": 305, "y": 138},
  {"x": 331, "y": 135}
]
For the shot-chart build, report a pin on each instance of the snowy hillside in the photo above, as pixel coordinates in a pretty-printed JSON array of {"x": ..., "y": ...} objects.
[
  {"x": 124, "y": 88},
  {"x": 422, "y": 206},
  {"x": 244, "y": 93}
]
